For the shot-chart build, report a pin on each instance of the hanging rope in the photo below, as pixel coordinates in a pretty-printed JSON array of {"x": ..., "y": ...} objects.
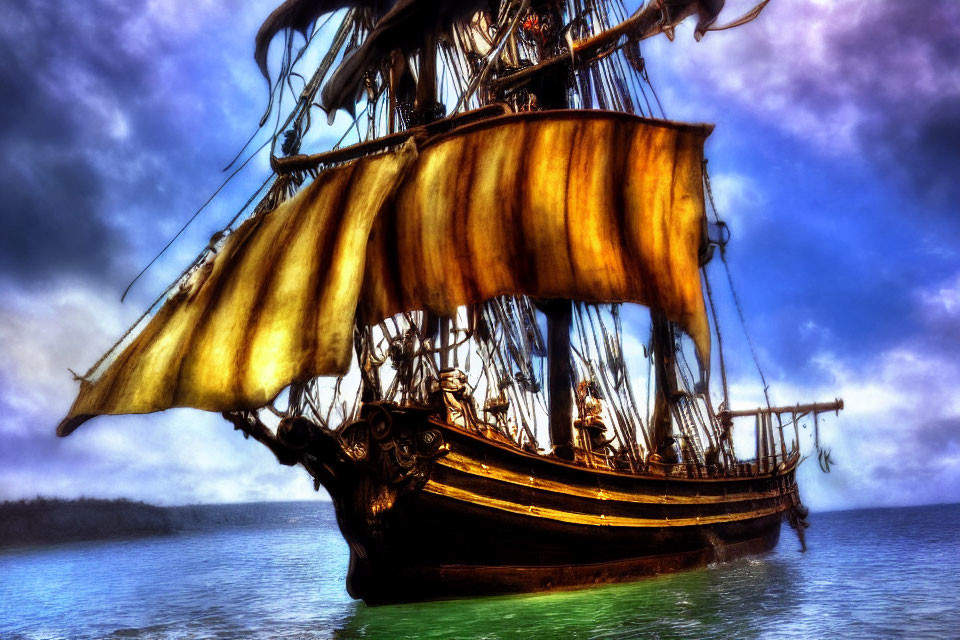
[
  {"x": 716, "y": 330},
  {"x": 733, "y": 289}
]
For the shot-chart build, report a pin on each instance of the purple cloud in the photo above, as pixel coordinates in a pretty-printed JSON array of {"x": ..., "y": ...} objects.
[
  {"x": 877, "y": 82},
  {"x": 104, "y": 104}
]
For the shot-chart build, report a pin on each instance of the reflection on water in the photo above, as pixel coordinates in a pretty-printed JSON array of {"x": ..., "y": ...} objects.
[{"x": 881, "y": 573}]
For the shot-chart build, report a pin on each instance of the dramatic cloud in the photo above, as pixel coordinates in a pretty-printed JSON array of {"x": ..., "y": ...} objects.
[
  {"x": 116, "y": 118},
  {"x": 828, "y": 109},
  {"x": 896, "y": 442},
  {"x": 843, "y": 114},
  {"x": 98, "y": 116},
  {"x": 939, "y": 307},
  {"x": 871, "y": 81}
]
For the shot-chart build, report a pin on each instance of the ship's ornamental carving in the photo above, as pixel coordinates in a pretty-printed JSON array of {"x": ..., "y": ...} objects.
[{"x": 393, "y": 445}]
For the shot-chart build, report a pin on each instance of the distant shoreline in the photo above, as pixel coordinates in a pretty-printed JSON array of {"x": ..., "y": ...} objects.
[{"x": 44, "y": 521}]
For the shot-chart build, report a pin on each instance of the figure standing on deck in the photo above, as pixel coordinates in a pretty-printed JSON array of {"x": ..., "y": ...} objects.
[{"x": 590, "y": 420}]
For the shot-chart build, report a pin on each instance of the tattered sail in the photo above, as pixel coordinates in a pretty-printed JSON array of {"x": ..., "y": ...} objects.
[
  {"x": 276, "y": 304},
  {"x": 592, "y": 206}
]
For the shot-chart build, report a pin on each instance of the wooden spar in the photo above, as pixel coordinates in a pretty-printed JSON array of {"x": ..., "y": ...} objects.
[
  {"x": 765, "y": 443},
  {"x": 427, "y": 80},
  {"x": 764, "y": 451},
  {"x": 444, "y": 342},
  {"x": 559, "y": 315},
  {"x": 646, "y": 22},
  {"x": 816, "y": 430},
  {"x": 817, "y": 407},
  {"x": 559, "y": 319},
  {"x": 716, "y": 330},
  {"x": 665, "y": 376},
  {"x": 761, "y": 451},
  {"x": 796, "y": 430},
  {"x": 370, "y": 389},
  {"x": 771, "y": 444},
  {"x": 764, "y": 426},
  {"x": 765, "y": 416},
  {"x": 756, "y": 429},
  {"x": 783, "y": 444},
  {"x": 290, "y": 164},
  {"x": 431, "y": 332}
]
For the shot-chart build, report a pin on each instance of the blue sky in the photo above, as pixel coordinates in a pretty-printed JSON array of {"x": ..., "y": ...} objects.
[{"x": 836, "y": 161}]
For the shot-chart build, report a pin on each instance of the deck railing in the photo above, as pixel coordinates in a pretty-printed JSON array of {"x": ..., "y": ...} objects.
[
  {"x": 771, "y": 447},
  {"x": 769, "y": 424},
  {"x": 741, "y": 469}
]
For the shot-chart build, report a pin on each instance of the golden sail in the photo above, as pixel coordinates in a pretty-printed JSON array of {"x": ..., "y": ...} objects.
[
  {"x": 601, "y": 207},
  {"x": 583, "y": 205},
  {"x": 274, "y": 305}
]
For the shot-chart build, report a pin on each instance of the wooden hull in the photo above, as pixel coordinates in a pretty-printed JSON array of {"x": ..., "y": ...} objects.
[{"x": 477, "y": 517}]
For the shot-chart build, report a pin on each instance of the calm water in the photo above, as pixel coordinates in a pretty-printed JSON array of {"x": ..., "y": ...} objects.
[{"x": 869, "y": 574}]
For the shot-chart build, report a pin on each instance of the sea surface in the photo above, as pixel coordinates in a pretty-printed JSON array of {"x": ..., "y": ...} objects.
[{"x": 884, "y": 573}]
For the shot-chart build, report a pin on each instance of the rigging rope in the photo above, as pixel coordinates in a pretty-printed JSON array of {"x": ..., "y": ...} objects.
[
  {"x": 194, "y": 217},
  {"x": 716, "y": 330},
  {"x": 733, "y": 290},
  {"x": 314, "y": 85}
]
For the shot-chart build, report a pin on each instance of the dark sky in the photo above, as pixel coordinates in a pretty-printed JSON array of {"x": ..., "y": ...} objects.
[{"x": 836, "y": 161}]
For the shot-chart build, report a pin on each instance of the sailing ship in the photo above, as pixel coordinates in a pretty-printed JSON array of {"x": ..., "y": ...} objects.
[{"x": 408, "y": 316}]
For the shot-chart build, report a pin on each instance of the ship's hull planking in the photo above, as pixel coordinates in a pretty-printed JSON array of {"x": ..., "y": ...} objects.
[{"x": 461, "y": 515}]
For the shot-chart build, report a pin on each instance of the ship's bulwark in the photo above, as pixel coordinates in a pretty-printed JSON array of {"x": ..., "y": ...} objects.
[
  {"x": 455, "y": 514},
  {"x": 590, "y": 206}
]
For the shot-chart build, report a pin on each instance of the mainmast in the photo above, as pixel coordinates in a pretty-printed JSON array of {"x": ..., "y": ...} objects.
[
  {"x": 665, "y": 384},
  {"x": 560, "y": 378},
  {"x": 550, "y": 91}
]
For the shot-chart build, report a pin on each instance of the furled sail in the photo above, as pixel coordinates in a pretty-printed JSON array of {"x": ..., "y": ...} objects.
[{"x": 592, "y": 206}]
